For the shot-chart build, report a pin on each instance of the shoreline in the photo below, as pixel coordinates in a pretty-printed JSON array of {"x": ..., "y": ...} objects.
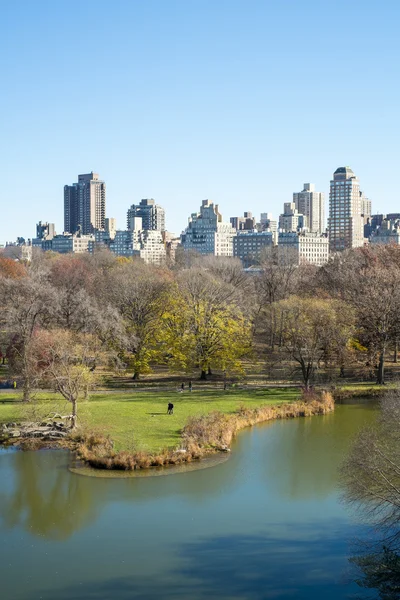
[{"x": 201, "y": 437}]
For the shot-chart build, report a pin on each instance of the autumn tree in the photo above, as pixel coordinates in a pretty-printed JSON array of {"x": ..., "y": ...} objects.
[
  {"x": 314, "y": 330},
  {"x": 11, "y": 269},
  {"x": 26, "y": 307},
  {"x": 367, "y": 279},
  {"x": 68, "y": 361},
  {"x": 274, "y": 282},
  {"x": 139, "y": 293},
  {"x": 203, "y": 327}
]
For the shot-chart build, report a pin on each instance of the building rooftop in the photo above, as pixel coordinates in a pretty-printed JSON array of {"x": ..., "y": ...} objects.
[{"x": 344, "y": 170}]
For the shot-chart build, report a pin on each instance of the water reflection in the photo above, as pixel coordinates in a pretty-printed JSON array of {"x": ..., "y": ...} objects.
[
  {"x": 241, "y": 567},
  {"x": 42, "y": 499},
  {"x": 264, "y": 524},
  {"x": 307, "y": 463}
]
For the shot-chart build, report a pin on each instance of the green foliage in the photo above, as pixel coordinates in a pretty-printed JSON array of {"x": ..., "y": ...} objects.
[{"x": 204, "y": 335}]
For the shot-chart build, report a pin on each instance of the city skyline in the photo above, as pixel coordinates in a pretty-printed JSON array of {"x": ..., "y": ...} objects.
[
  {"x": 122, "y": 224},
  {"x": 243, "y": 119}
]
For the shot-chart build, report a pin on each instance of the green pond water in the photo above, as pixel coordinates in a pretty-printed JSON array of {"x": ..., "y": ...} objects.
[{"x": 266, "y": 523}]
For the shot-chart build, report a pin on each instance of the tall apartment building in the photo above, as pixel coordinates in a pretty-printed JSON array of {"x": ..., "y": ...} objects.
[
  {"x": 346, "y": 224},
  {"x": 206, "y": 232},
  {"x": 146, "y": 244},
  {"x": 110, "y": 226},
  {"x": 85, "y": 204},
  {"x": 291, "y": 219},
  {"x": 152, "y": 215},
  {"x": 311, "y": 204},
  {"x": 365, "y": 206}
]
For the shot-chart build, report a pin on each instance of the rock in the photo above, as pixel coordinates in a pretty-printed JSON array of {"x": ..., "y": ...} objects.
[
  {"x": 224, "y": 449},
  {"x": 15, "y": 433}
]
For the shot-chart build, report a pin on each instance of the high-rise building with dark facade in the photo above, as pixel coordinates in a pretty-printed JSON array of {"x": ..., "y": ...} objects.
[
  {"x": 85, "y": 204},
  {"x": 152, "y": 215}
]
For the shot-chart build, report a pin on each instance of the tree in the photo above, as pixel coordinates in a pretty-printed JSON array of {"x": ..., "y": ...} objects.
[
  {"x": 314, "y": 330},
  {"x": 27, "y": 306},
  {"x": 371, "y": 480},
  {"x": 275, "y": 282},
  {"x": 139, "y": 292},
  {"x": 203, "y": 327},
  {"x": 368, "y": 280},
  {"x": 11, "y": 269},
  {"x": 371, "y": 472},
  {"x": 68, "y": 360}
]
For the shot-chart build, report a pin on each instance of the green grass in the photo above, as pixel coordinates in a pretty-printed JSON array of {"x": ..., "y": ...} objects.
[{"x": 139, "y": 420}]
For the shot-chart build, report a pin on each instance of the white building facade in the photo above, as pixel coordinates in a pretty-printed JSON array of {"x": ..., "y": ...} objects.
[
  {"x": 300, "y": 248},
  {"x": 311, "y": 204},
  {"x": 206, "y": 232}
]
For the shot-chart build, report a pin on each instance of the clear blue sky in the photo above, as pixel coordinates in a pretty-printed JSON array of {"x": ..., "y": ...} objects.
[{"x": 180, "y": 100}]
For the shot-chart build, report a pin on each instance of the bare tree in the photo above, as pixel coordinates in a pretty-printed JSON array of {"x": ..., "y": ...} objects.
[
  {"x": 371, "y": 481},
  {"x": 368, "y": 280},
  {"x": 69, "y": 360},
  {"x": 371, "y": 472},
  {"x": 27, "y": 306},
  {"x": 138, "y": 292},
  {"x": 313, "y": 330}
]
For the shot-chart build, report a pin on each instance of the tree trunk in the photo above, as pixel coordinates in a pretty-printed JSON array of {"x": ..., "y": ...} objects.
[
  {"x": 136, "y": 376},
  {"x": 209, "y": 371},
  {"x": 203, "y": 375},
  {"x": 27, "y": 390},
  {"x": 74, "y": 413},
  {"x": 381, "y": 368},
  {"x": 396, "y": 344}
]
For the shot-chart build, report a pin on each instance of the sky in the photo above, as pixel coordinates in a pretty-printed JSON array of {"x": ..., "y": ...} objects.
[{"x": 237, "y": 101}]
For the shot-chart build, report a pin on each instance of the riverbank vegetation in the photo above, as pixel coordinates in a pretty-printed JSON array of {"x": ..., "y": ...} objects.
[
  {"x": 138, "y": 421},
  {"x": 202, "y": 435},
  {"x": 371, "y": 478}
]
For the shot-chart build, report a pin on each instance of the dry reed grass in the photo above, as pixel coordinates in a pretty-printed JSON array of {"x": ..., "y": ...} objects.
[{"x": 201, "y": 435}]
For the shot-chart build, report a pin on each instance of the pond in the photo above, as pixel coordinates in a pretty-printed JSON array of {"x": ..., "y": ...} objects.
[{"x": 266, "y": 523}]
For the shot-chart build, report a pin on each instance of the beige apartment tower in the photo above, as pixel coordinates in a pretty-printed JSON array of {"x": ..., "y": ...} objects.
[
  {"x": 346, "y": 226},
  {"x": 311, "y": 204},
  {"x": 85, "y": 204}
]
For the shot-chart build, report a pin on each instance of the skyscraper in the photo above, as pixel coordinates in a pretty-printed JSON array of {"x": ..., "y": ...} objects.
[
  {"x": 85, "y": 204},
  {"x": 366, "y": 206},
  {"x": 71, "y": 208},
  {"x": 311, "y": 204},
  {"x": 346, "y": 227},
  {"x": 152, "y": 215}
]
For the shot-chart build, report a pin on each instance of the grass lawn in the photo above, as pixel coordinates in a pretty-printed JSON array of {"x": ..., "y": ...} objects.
[{"x": 138, "y": 420}]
